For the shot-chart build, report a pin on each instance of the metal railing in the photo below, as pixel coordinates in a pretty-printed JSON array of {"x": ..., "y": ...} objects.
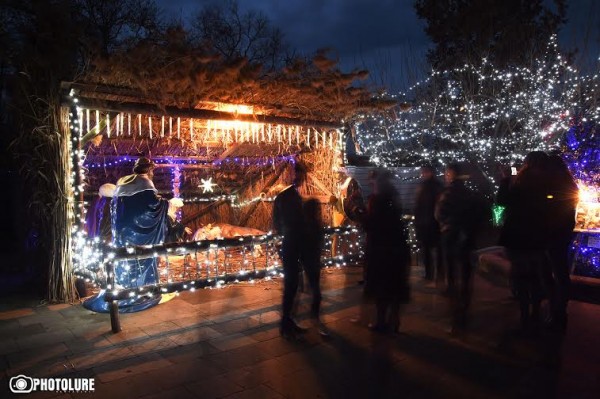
[{"x": 188, "y": 266}]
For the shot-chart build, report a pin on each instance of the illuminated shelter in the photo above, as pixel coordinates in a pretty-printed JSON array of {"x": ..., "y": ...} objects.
[
  {"x": 582, "y": 154},
  {"x": 226, "y": 162}
]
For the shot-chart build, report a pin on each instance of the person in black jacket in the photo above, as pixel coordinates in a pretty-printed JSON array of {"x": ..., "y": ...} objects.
[
  {"x": 426, "y": 227},
  {"x": 525, "y": 234},
  {"x": 288, "y": 221},
  {"x": 563, "y": 194},
  {"x": 452, "y": 213},
  {"x": 387, "y": 254}
]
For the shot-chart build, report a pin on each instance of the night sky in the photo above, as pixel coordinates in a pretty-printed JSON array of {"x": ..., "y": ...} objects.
[{"x": 384, "y": 36}]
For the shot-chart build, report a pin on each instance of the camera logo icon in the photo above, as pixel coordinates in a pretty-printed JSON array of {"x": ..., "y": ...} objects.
[{"x": 21, "y": 384}]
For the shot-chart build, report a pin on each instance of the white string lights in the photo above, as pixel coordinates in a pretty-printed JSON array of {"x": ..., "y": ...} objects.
[
  {"x": 207, "y": 264},
  {"x": 224, "y": 132},
  {"x": 480, "y": 114},
  {"x": 92, "y": 256}
]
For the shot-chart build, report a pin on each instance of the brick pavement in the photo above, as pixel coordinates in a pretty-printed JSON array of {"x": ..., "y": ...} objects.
[{"x": 225, "y": 343}]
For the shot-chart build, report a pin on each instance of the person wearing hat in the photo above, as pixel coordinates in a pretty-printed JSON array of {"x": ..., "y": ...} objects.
[{"x": 139, "y": 217}]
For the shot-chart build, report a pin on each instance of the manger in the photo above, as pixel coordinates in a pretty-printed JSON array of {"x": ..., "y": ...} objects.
[{"x": 220, "y": 165}]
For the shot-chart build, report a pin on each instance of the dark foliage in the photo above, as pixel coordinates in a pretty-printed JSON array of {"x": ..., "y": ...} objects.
[{"x": 506, "y": 32}]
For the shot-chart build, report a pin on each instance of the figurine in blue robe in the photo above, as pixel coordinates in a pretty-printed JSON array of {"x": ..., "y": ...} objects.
[{"x": 139, "y": 217}]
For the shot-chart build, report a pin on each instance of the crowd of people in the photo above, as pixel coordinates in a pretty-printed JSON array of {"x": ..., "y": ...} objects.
[
  {"x": 540, "y": 206},
  {"x": 539, "y": 203}
]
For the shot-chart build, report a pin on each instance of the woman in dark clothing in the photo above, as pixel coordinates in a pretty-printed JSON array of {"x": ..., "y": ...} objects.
[
  {"x": 387, "y": 254},
  {"x": 525, "y": 234},
  {"x": 562, "y": 205}
]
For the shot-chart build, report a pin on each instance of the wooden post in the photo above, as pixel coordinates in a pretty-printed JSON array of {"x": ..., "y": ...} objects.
[
  {"x": 115, "y": 323},
  {"x": 114, "y": 304}
]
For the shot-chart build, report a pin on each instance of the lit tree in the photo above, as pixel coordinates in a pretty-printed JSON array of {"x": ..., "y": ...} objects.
[
  {"x": 480, "y": 114},
  {"x": 581, "y": 144}
]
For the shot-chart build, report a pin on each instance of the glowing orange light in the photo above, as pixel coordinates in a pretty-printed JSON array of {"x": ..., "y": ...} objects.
[
  {"x": 588, "y": 209},
  {"x": 235, "y": 108},
  {"x": 588, "y": 193}
]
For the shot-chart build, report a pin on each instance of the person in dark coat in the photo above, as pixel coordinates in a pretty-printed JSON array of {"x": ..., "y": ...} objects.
[
  {"x": 562, "y": 204},
  {"x": 525, "y": 234},
  {"x": 312, "y": 245},
  {"x": 452, "y": 213},
  {"x": 426, "y": 227},
  {"x": 387, "y": 254},
  {"x": 288, "y": 221}
]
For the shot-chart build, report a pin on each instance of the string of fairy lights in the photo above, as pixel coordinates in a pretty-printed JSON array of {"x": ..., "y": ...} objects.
[
  {"x": 80, "y": 243},
  {"x": 167, "y": 161},
  {"x": 481, "y": 114},
  {"x": 208, "y": 263},
  {"x": 487, "y": 116},
  {"x": 94, "y": 260}
]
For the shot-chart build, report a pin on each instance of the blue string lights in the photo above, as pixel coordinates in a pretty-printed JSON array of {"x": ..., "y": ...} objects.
[
  {"x": 582, "y": 154},
  {"x": 128, "y": 161}
]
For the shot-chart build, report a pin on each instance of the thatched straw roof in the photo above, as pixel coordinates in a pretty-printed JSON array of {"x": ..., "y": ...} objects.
[{"x": 170, "y": 72}]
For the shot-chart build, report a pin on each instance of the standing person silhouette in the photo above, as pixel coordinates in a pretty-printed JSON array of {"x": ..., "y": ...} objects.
[
  {"x": 525, "y": 235},
  {"x": 387, "y": 254},
  {"x": 426, "y": 227},
  {"x": 311, "y": 257},
  {"x": 453, "y": 214},
  {"x": 288, "y": 221},
  {"x": 562, "y": 204}
]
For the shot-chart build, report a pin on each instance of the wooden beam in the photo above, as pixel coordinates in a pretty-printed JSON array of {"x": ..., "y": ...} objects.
[
  {"x": 228, "y": 152},
  {"x": 186, "y": 166},
  {"x": 319, "y": 184},
  {"x": 121, "y": 95},
  {"x": 207, "y": 114},
  {"x": 268, "y": 184}
]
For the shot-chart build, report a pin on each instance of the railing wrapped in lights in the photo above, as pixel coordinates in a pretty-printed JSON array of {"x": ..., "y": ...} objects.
[
  {"x": 211, "y": 275},
  {"x": 188, "y": 266}
]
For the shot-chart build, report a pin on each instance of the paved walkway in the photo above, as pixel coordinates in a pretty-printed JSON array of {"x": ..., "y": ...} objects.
[{"x": 225, "y": 343}]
